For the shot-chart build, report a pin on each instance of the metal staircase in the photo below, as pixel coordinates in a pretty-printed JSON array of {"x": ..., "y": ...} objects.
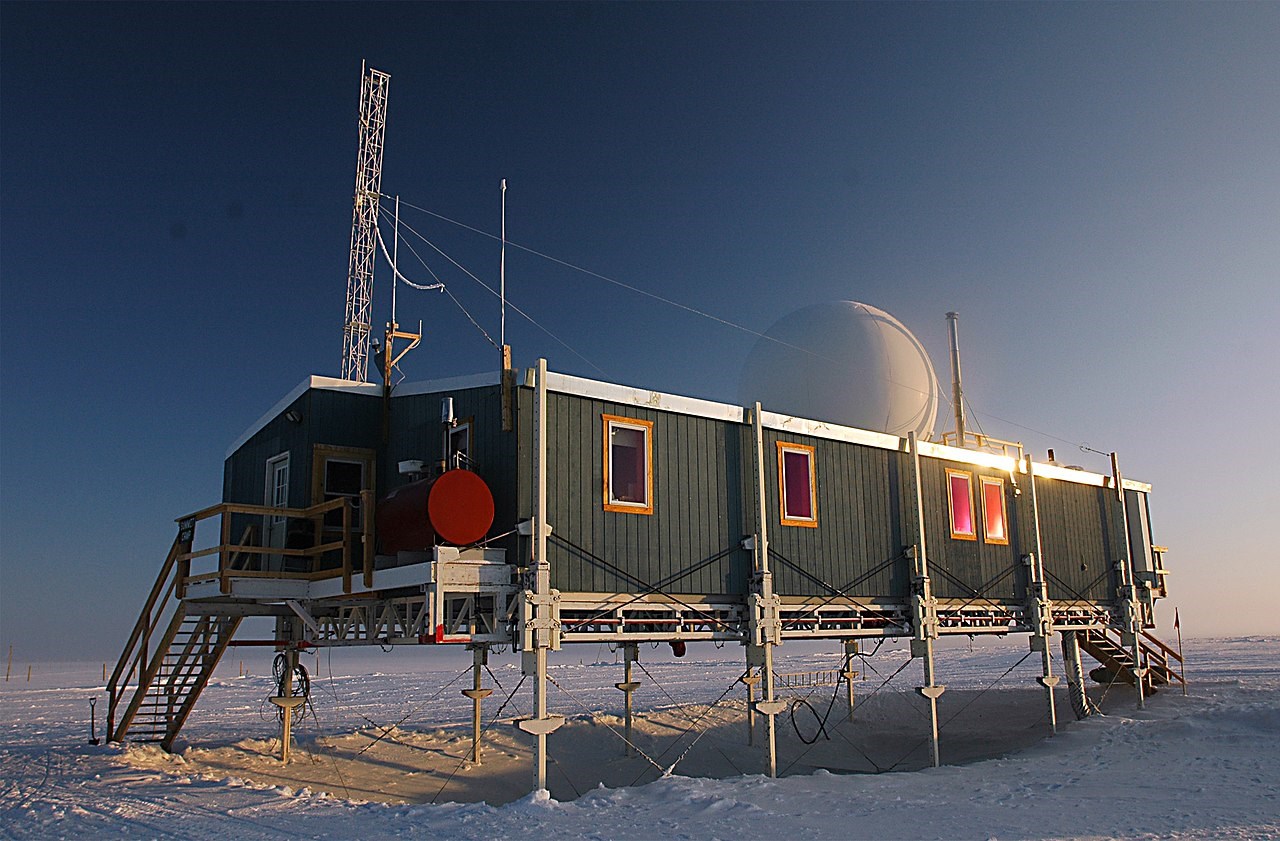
[
  {"x": 164, "y": 679},
  {"x": 1161, "y": 665}
]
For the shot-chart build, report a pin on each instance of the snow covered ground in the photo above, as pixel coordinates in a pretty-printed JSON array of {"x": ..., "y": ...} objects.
[{"x": 384, "y": 755}]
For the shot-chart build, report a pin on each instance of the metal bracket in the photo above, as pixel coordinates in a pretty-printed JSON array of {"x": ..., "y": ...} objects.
[
  {"x": 304, "y": 615},
  {"x": 541, "y": 726},
  {"x": 539, "y": 620},
  {"x": 524, "y": 528},
  {"x": 770, "y": 707},
  {"x": 766, "y": 621}
]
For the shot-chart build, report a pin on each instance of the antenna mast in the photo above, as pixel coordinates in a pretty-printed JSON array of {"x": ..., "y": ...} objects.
[
  {"x": 502, "y": 270},
  {"x": 957, "y": 393},
  {"x": 364, "y": 223}
]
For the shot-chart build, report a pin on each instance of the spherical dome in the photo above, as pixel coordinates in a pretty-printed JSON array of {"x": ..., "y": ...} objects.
[{"x": 846, "y": 363}]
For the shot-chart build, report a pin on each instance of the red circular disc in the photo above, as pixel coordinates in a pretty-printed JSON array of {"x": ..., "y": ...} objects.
[{"x": 460, "y": 507}]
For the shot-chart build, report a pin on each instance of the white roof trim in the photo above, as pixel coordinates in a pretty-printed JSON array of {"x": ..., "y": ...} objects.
[
  {"x": 1084, "y": 477},
  {"x": 595, "y": 389},
  {"x": 325, "y": 383},
  {"x": 832, "y": 431},
  {"x": 566, "y": 384},
  {"x": 996, "y": 461},
  {"x": 697, "y": 407}
]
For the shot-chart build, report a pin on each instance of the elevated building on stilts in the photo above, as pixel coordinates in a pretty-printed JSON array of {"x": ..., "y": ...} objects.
[{"x": 529, "y": 510}]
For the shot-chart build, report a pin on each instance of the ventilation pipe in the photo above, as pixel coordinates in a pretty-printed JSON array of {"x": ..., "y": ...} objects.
[{"x": 957, "y": 395}]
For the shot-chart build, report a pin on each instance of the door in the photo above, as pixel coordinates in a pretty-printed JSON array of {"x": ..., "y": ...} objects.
[
  {"x": 341, "y": 472},
  {"x": 275, "y": 528}
]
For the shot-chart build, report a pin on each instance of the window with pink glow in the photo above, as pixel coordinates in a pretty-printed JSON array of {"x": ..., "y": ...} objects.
[
  {"x": 960, "y": 501},
  {"x": 995, "y": 525}
]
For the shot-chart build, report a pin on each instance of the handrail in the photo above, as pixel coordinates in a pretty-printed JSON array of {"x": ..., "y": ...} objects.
[
  {"x": 981, "y": 441},
  {"x": 138, "y": 662},
  {"x": 1162, "y": 645},
  {"x": 143, "y": 627},
  {"x": 225, "y": 549},
  {"x": 265, "y": 510}
]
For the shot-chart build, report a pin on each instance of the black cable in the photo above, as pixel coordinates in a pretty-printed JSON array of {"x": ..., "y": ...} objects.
[
  {"x": 298, "y": 687},
  {"x": 872, "y": 762},
  {"x": 822, "y": 720}
]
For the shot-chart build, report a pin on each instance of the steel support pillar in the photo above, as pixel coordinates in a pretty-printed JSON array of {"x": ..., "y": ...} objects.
[
  {"x": 850, "y": 651},
  {"x": 765, "y": 626},
  {"x": 1047, "y": 679},
  {"x": 1130, "y": 604},
  {"x": 630, "y": 654},
  {"x": 287, "y": 702},
  {"x": 477, "y": 694},
  {"x": 539, "y": 620},
  {"x": 750, "y": 679},
  {"x": 924, "y": 607},
  {"x": 1071, "y": 664},
  {"x": 1041, "y": 609}
]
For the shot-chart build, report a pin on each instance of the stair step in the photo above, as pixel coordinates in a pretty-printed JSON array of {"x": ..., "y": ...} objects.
[{"x": 182, "y": 668}]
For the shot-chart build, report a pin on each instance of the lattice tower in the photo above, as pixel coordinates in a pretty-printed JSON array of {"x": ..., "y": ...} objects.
[{"x": 374, "y": 85}]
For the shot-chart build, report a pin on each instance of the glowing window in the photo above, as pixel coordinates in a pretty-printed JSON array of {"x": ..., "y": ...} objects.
[
  {"x": 797, "y": 485},
  {"x": 960, "y": 502},
  {"x": 628, "y": 465},
  {"x": 995, "y": 523}
]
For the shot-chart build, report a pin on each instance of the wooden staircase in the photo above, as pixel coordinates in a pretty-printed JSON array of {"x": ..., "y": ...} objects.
[
  {"x": 1163, "y": 665},
  {"x": 164, "y": 679}
]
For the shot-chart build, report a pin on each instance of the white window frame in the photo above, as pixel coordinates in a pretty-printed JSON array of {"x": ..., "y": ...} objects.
[
  {"x": 463, "y": 428},
  {"x": 271, "y": 488}
]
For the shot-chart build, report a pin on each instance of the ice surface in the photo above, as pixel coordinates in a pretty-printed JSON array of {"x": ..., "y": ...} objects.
[{"x": 1202, "y": 766}]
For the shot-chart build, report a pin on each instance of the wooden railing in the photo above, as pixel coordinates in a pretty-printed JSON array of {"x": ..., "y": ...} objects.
[
  {"x": 354, "y": 546},
  {"x": 139, "y": 661},
  {"x": 134, "y": 664},
  {"x": 1161, "y": 656},
  {"x": 983, "y": 442}
]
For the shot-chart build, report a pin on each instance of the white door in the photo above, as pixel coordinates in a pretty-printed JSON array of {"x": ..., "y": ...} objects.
[{"x": 275, "y": 529}]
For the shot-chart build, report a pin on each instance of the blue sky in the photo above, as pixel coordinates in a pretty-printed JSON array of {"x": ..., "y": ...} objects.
[{"x": 1094, "y": 187}]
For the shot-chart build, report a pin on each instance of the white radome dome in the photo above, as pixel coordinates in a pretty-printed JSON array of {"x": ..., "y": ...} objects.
[{"x": 845, "y": 363}]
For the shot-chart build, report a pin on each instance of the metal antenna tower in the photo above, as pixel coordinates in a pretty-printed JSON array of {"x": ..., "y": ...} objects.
[{"x": 374, "y": 85}]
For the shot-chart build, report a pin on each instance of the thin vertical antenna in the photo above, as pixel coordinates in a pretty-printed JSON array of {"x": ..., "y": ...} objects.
[
  {"x": 502, "y": 269},
  {"x": 957, "y": 393},
  {"x": 395, "y": 263}
]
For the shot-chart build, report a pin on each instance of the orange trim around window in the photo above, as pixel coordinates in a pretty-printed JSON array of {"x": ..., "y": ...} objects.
[
  {"x": 960, "y": 504},
  {"x": 628, "y": 499},
  {"x": 796, "y": 516}
]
